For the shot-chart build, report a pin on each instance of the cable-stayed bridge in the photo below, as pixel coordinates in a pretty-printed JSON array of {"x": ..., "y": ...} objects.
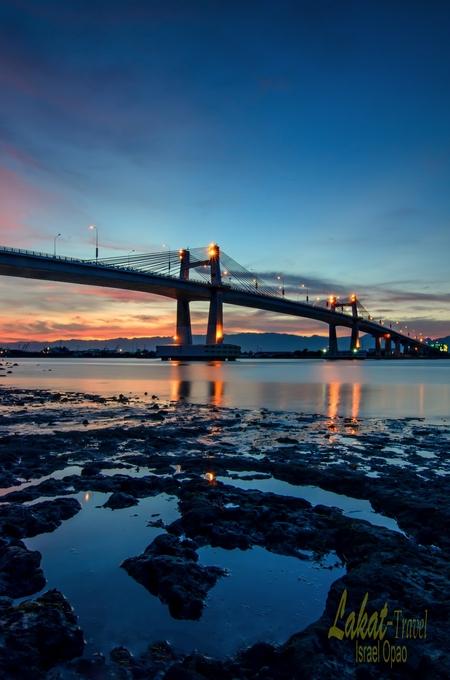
[{"x": 208, "y": 274}]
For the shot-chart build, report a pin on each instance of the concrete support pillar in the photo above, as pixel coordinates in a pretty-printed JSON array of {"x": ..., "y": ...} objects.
[
  {"x": 185, "y": 263},
  {"x": 214, "y": 263},
  {"x": 184, "y": 330},
  {"x": 354, "y": 340},
  {"x": 388, "y": 346},
  {"x": 332, "y": 339},
  {"x": 377, "y": 346},
  {"x": 397, "y": 348},
  {"x": 214, "y": 335}
]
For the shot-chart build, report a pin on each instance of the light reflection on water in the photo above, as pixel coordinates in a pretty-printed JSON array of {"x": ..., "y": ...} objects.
[{"x": 416, "y": 388}]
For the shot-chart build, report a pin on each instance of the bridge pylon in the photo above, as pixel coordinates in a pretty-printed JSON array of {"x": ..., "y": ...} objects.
[
  {"x": 387, "y": 345},
  {"x": 184, "y": 329},
  {"x": 332, "y": 340},
  {"x": 214, "y": 335},
  {"x": 354, "y": 340}
]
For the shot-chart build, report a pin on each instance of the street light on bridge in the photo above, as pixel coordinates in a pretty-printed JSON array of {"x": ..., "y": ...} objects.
[
  {"x": 93, "y": 227},
  {"x": 307, "y": 291},
  {"x": 281, "y": 278},
  {"x": 54, "y": 244}
]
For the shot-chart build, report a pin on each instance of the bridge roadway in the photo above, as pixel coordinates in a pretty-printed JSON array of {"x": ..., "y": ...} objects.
[{"x": 34, "y": 265}]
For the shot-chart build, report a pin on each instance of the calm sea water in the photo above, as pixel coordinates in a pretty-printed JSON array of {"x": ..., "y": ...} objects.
[{"x": 416, "y": 388}]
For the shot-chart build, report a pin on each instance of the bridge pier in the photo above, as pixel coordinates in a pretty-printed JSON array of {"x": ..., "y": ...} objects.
[
  {"x": 184, "y": 329},
  {"x": 377, "y": 346},
  {"x": 354, "y": 340},
  {"x": 387, "y": 346},
  {"x": 332, "y": 340},
  {"x": 397, "y": 348},
  {"x": 214, "y": 335}
]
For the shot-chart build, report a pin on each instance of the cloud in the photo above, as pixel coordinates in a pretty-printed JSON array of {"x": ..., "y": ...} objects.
[{"x": 20, "y": 201}]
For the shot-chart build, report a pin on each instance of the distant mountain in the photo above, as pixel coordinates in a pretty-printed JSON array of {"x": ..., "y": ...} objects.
[
  {"x": 249, "y": 342},
  {"x": 263, "y": 342},
  {"x": 273, "y": 342},
  {"x": 445, "y": 341}
]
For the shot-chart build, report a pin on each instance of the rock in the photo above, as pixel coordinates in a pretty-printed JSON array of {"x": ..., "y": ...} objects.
[
  {"x": 20, "y": 572},
  {"x": 121, "y": 656},
  {"x": 21, "y": 521},
  {"x": 168, "y": 569},
  {"x": 119, "y": 499},
  {"x": 38, "y": 634}
]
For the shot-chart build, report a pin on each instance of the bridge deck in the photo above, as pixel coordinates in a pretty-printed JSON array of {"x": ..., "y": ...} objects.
[{"x": 35, "y": 265}]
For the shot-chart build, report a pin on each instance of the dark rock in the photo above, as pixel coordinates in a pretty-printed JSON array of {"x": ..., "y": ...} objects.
[
  {"x": 168, "y": 569},
  {"x": 119, "y": 499},
  {"x": 259, "y": 655},
  {"x": 20, "y": 572},
  {"x": 178, "y": 672},
  {"x": 22, "y": 521},
  {"x": 121, "y": 656},
  {"x": 37, "y": 635}
]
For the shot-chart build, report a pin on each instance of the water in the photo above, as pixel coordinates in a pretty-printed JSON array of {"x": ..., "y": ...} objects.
[
  {"x": 407, "y": 388},
  {"x": 265, "y": 596},
  {"x": 355, "y": 508}
]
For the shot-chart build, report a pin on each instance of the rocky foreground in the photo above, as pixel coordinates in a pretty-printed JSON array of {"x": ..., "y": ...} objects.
[{"x": 400, "y": 466}]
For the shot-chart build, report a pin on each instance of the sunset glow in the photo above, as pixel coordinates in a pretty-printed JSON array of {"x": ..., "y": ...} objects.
[{"x": 152, "y": 158}]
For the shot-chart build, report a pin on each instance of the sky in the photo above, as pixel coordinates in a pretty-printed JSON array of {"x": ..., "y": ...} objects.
[{"x": 310, "y": 138}]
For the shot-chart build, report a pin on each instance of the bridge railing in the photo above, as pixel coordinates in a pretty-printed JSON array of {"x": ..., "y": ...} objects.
[
  {"x": 89, "y": 263},
  {"x": 131, "y": 269}
]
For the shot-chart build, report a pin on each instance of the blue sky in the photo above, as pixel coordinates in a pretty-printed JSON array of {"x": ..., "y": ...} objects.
[{"x": 311, "y": 138}]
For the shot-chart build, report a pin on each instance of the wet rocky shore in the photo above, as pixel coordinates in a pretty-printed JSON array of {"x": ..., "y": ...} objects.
[{"x": 242, "y": 480}]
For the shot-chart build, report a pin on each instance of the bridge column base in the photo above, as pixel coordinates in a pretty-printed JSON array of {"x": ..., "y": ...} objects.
[
  {"x": 214, "y": 335},
  {"x": 184, "y": 330},
  {"x": 354, "y": 340},
  {"x": 377, "y": 346},
  {"x": 332, "y": 340}
]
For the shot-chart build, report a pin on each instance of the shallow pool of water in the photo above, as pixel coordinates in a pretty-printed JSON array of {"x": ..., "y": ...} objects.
[
  {"x": 356, "y": 508},
  {"x": 265, "y": 596}
]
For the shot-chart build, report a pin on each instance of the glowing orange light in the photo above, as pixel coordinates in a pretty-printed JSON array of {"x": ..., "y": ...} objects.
[
  {"x": 212, "y": 250},
  {"x": 353, "y": 297},
  {"x": 210, "y": 477}
]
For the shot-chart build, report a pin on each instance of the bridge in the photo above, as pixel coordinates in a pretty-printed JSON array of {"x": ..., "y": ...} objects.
[{"x": 208, "y": 274}]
